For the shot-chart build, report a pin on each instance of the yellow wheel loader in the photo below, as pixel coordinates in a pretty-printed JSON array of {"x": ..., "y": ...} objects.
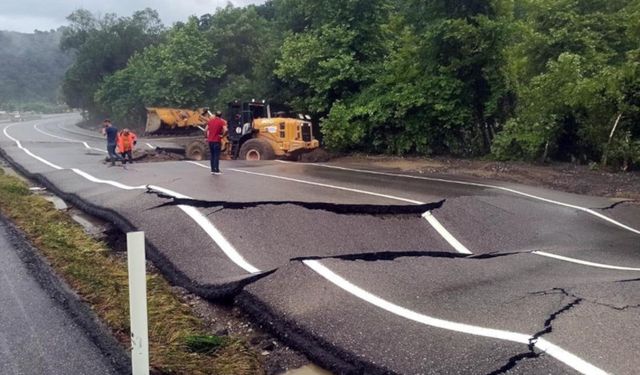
[
  {"x": 168, "y": 121},
  {"x": 253, "y": 134}
]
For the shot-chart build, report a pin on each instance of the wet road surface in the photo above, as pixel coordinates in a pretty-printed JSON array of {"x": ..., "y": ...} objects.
[
  {"x": 37, "y": 335},
  {"x": 342, "y": 263}
]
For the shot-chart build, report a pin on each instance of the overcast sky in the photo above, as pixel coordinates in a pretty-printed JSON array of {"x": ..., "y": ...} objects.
[{"x": 28, "y": 15}]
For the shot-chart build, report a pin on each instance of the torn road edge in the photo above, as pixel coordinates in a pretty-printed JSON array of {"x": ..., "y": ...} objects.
[
  {"x": 322, "y": 352},
  {"x": 224, "y": 290},
  {"x": 337, "y": 208},
  {"x": 319, "y": 351}
]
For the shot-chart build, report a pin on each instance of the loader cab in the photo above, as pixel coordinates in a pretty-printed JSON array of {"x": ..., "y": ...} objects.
[
  {"x": 249, "y": 110},
  {"x": 255, "y": 135}
]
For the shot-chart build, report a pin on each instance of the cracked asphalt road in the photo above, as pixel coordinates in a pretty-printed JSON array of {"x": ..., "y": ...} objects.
[{"x": 498, "y": 278}]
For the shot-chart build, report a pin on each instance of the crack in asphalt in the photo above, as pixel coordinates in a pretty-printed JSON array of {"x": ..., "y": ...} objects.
[
  {"x": 548, "y": 324},
  {"x": 627, "y": 280},
  {"x": 340, "y": 209},
  {"x": 393, "y": 255},
  {"x": 619, "y": 308},
  {"x": 513, "y": 361},
  {"x": 548, "y": 328},
  {"x": 614, "y": 205},
  {"x": 588, "y": 300}
]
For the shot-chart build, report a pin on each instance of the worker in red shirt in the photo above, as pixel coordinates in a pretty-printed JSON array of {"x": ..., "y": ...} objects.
[{"x": 215, "y": 129}]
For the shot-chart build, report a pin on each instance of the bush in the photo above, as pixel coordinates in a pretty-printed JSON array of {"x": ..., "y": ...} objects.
[
  {"x": 519, "y": 141},
  {"x": 624, "y": 153}
]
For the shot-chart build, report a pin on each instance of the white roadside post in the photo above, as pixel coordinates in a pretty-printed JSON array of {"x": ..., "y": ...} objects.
[{"x": 138, "y": 303}]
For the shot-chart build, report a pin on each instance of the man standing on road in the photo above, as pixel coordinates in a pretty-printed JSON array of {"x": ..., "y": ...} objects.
[
  {"x": 215, "y": 129},
  {"x": 112, "y": 141},
  {"x": 235, "y": 134}
]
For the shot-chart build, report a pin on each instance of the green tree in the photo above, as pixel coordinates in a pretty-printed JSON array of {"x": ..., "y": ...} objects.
[
  {"x": 333, "y": 55},
  {"x": 436, "y": 84},
  {"x": 103, "y": 46},
  {"x": 175, "y": 73},
  {"x": 573, "y": 73}
]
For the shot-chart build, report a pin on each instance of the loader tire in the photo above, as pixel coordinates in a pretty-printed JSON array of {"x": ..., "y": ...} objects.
[
  {"x": 197, "y": 150},
  {"x": 256, "y": 149}
]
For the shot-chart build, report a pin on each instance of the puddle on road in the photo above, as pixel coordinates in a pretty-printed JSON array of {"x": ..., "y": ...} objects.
[
  {"x": 91, "y": 225},
  {"x": 58, "y": 203},
  {"x": 308, "y": 370}
]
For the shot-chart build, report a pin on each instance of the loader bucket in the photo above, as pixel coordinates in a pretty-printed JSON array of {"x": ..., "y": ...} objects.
[{"x": 153, "y": 121}]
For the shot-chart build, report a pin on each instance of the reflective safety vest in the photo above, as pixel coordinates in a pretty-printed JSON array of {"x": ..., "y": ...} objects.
[{"x": 125, "y": 142}]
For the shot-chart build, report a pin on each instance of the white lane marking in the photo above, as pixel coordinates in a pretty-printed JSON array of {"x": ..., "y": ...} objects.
[
  {"x": 553, "y": 350},
  {"x": 42, "y": 160},
  {"x": 97, "y": 180},
  {"x": 329, "y": 186},
  {"x": 85, "y": 144},
  {"x": 94, "y": 148},
  {"x": 584, "y": 262},
  {"x": 192, "y": 212},
  {"x": 150, "y": 145},
  {"x": 568, "y": 358},
  {"x": 580, "y": 208},
  {"x": 213, "y": 232},
  {"x": 459, "y": 247},
  {"x": 219, "y": 238},
  {"x": 445, "y": 233},
  {"x": 196, "y": 163},
  {"x": 35, "y": 126}
]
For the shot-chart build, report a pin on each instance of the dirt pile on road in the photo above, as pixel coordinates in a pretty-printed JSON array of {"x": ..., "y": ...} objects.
[
  {"x": 153, "y": 156},
  {"x": 572, "y": 178},
  {"x": 316, "y": 156}
]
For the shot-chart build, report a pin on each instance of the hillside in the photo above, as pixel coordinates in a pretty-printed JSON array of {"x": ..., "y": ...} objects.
[{"x": 32, "y": 67}]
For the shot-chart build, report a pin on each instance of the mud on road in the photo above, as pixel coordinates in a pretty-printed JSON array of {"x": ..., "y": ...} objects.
[{"x": 571, "y": 178}]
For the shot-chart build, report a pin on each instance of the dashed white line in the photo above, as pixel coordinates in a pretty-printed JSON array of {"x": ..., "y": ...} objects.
[
  {"x": 97, "y": 180},
  {"x": 35, "y": 126},
  {"x": 54, "y": 166},
  {"x": 150, "y": 145},
  {"x": 445, "y": 233},
  {"x": 580, "y": 208},
  {"x": 427, "y": 215},
  {"x": 196, "y": 163},
  {"x": 192, "y": 212},
  {"x": 553, "y": 350},
  {"x": 213, "y": 232},
  {"x": 85, "y": 144},
  {"x": 584, "y": 262},
  {"x": 328, "y": 186}
]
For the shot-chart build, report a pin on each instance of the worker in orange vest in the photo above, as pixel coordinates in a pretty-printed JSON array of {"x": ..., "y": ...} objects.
[{"x": 126, "y": 140}]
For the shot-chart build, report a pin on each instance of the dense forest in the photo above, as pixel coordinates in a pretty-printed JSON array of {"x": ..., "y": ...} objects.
[
  {"x": 31, "y": 70},
  {"x": 513, "y": 79}
]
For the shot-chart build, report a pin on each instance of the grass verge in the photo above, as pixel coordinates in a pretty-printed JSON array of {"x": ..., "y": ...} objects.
[{"x": 178, "y": 341}]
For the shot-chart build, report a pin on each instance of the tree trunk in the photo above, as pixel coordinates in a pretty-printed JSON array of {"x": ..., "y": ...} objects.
[
  {"x": 606, "y": 147},
  {"x": 486, "y": 142}
]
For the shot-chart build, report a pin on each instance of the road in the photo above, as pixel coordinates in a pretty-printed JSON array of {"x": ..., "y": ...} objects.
[
  {"x": 38, "y": 336},
  {"x": 371, "y": 271}
]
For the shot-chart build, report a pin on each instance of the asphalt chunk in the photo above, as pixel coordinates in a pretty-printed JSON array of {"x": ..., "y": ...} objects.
[{"x": 415, "y": 210}]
